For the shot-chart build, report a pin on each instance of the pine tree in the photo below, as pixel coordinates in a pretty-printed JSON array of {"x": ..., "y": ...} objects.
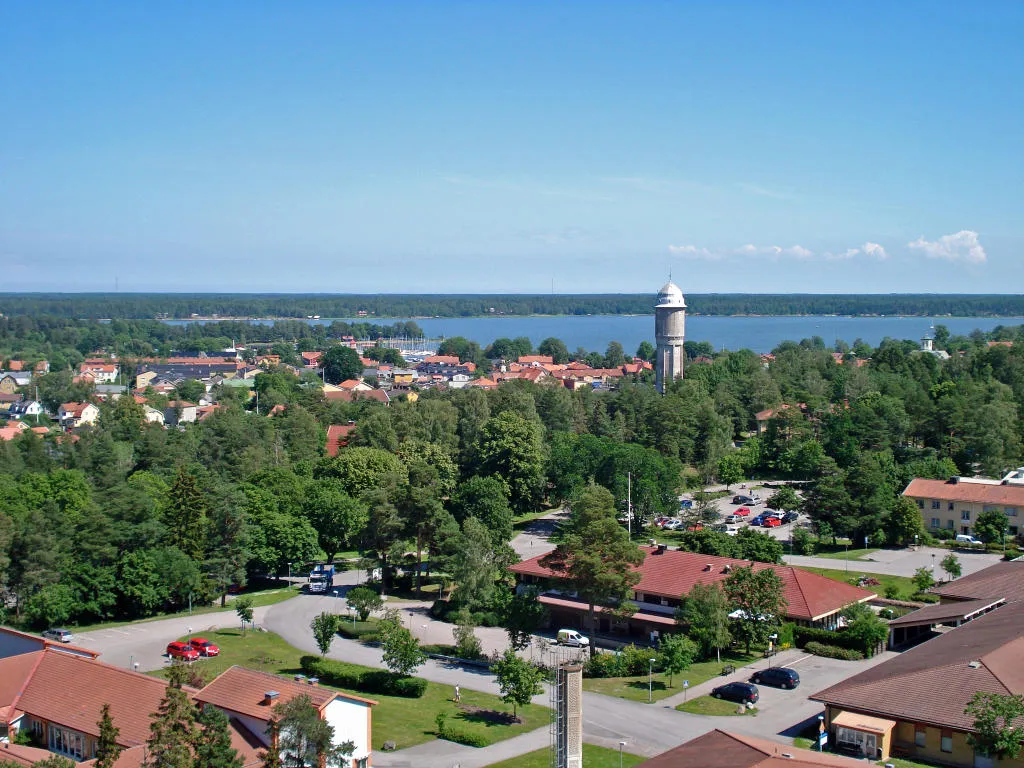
[
  {"x": 271, "y": 756},
  {"x": 173, "y": 730},
  {"x": 213, "y": 741},
  {"x": 185, "y": 516},
  {"x": 107, "y": 749}
]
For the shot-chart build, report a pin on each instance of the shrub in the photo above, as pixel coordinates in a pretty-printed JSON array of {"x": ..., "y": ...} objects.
[
  {"x": 636, "y": 661},
  {"x": 787, "y": 635},
  {"x": 833, "y": 651},
  {"x": 803, "y": 542},
  {"x": 892, "y": 592},
  {"x": 943, "y": 534},
  {"x": 603, "y": 665},
  {"x": 459, "y": 736},
  {"x": 803, "y": 636},
  {"x": 342, "y": 675},
  {"x": 924, "y": 597}
]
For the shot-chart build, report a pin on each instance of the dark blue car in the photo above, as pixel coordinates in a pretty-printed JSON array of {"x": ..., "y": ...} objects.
[{"x": 757, "y": 520}]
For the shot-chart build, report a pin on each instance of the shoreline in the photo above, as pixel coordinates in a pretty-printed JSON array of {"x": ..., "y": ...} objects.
[{"x": 379, "y": 319}]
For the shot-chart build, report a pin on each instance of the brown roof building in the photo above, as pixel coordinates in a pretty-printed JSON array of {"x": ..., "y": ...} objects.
[
  {"x": 721, "y": 749},
  {"x": 999, "y": 580},
  {"x": 667, "y": 574},
  {"x": 954, "y": 504},
  {"x": 915, "y": 702}
]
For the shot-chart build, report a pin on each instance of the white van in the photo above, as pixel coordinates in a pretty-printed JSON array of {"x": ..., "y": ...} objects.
[
  {"x": 963, "y": 538},
  {"x": 572, "y": 638}
]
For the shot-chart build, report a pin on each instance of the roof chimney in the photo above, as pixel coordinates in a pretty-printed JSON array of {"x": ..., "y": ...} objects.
[
  {"x": 727, "y": 569},
  {"x": 270, "y": 697},
  {"x": 662, "y": 548},
  {"x": 708, "y": 567},
  {"x": 974, "y": 665},
  {"x": 314, "y": 681},
  {"x": 955, "y": 479}
]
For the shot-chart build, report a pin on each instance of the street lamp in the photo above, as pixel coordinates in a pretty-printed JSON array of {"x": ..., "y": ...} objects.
[
  {"x": 621, "y": 745},
  {"x": 289, "y": 574},
  {"x": 650, "y": 681}
]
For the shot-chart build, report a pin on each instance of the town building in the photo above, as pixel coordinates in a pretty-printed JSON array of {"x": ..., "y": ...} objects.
[
  {"x": 954, "y": 504},
  {"x": 668, "y": 574},
  {"x": 25, "y": 409},
  {"x": 721, "y": 749},
  {"x": 669, "y": 333},
  {"x": 72, "y": 415}
]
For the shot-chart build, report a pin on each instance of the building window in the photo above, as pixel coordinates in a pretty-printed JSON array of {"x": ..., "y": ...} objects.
[
  {"x": 1010, "y": 511},
  {"x": 949, "y": 524},
  {"x": 920, "y": 503},
  {"x": 965, "y": 515},
  {"x": 950, "y": 506},
  {"x": 920, "y": 737},
  {"x": 65, "y": 742},
  {"x": 946, "y": 743},
  {"x": 936, "y": 504},
  {"x": 935, "y": 522},
  {"x": 1012, "y": 530}
]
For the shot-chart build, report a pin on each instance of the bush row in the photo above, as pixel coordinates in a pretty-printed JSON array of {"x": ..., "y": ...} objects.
[
  {"x": 456, "y": 734},
  {"x": 443, "y": 609},
  {"x": 804, "y": 635},
  {"x": 379, "y": 681},
  {"x": 833, "y": 651},
  {"x": 626, "y": 662}
]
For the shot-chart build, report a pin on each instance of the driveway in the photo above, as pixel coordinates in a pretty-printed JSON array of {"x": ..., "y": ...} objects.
[{"x": 901, "y": 562}]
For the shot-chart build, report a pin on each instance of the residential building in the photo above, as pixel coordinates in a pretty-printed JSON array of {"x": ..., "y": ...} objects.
[
  {"x": 954, "y": 504},
  {"x": 101, "y": 373},
  {"x": 11, "y": 432},
  {"x": 354, "y": 394},
  {"x": 180, "y": 412},
  {"x": 337, "y": 437},
  {"x": 73, "y": 415},
  {"x": 12, "y": 382},
  {"x": 15, "y": 643},
  {"x": 26, "y": 409},
  {"x": 153, "y": 415},
  {"x": 666, "y": 575},
  {"x": 721, "y": 749},
  {"x": 249, "y": 697},
  {"x": 914, "y": 705}
]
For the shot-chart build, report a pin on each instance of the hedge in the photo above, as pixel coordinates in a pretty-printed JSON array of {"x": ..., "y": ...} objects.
[
  {"x": 804, "y": 635},
  {"x": 833, "y": 651},
  {"x": 459, "y": 736},
  {"x": 379, "y": 681}
]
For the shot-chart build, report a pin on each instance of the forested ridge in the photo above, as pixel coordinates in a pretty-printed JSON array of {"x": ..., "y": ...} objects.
[
  {"x": 128, "y": 518},
  {"x": 185, "y": 305}
]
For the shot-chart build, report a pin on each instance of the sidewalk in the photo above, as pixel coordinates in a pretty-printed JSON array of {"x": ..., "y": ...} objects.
[
  {"x": 742, "y": 674},
  {"x": 445, "y": 754}
]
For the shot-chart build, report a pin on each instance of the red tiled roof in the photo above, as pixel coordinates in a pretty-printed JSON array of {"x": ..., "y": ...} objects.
[
  {"x": 720, "y": 749},
  {"x": 350, "y": 396},
  {"x": 243, "y": 691},
  {"x": 998, "y": 580},
  {"x": 71, "y": 691},
  {"x": 20, "y": 754},
  {"x": 933, "y": 682},
  {"x": 531, "y": 359},
  {"x": 579, "y": 605},
  {"x": 337, "y": 436},
  {"x": 966, "y": 491},
  {"x": 443, "y": 359},
  {"x": 674, "y": 572}
]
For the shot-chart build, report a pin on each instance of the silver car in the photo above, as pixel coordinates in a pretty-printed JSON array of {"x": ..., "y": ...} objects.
[{"x": 60, "y": 635}]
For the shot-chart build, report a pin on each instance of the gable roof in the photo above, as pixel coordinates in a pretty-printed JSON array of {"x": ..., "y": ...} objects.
[
  {"x": 244, "y": 691},
  {"x": 981, "y": 655},
  {"x": 998, "y": 580},
  {"x": 351, "y": 396},
  {"x": 721, "y": 749},
  {"x": 674, "y": 572},
  {"x": 337, "y": 436},
  {"x": 71, "y": 691},
  {"x": 966, "y": 491}
]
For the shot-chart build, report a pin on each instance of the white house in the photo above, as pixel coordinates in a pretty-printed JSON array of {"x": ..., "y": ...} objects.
[
  {"x": 25, "y": 408},
  {"x": 180, "y": 412},
  {"x": 250, "y": 697},
  {"x": 153, "y": 415},
  {"x": 73, "y": 415}
]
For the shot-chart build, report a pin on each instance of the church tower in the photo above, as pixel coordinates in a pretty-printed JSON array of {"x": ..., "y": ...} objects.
[{"x": 669, "y": 333}]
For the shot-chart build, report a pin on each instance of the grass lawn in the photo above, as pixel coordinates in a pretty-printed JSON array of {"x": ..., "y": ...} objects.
[
  {"x": 706, "y": 705},
  {"x": 899, "y": 762},
  {"x": 263, "y": 597},
  {"x": 404, "y": 721},
  {"x": 853, "y": 554},
  {"x": 904, "y": 584},
  {"x": 803, "y": 743},
  {"x": 593, "y": 757},
  {"x": 635, "y": 688}
]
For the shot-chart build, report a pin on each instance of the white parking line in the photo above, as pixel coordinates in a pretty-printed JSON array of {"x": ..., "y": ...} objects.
[{"x": 802, "y": 658}]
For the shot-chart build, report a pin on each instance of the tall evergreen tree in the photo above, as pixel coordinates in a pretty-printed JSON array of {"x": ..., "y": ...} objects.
[
  {"x": 173, "y": 730},
  {"x": 107, "y": 749},
  {"x": 185, "y": 515},
  {"x": 213, "y": 741}
]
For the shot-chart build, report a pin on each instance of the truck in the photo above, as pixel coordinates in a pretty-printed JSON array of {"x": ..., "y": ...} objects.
[{"x": 321, "y": 578}]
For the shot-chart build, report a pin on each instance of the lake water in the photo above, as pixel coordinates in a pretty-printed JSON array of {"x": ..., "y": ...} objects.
[{"x": 761, "y": 334}]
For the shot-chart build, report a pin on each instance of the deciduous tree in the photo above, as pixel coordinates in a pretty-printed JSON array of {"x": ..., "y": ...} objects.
[
  {"x": 757, "y": 595},
  {"x": 305, "y": 738},
  {"x": 364, "y": 601},
  {"x": 678, "y": 652},
  {"x": 996, "y": 732},
  {"x": 324, "y": 627},
  {"x": 518, "y": 680},
  {"x": 402, "y": 652},
  {"x": 705, "y": 614}
]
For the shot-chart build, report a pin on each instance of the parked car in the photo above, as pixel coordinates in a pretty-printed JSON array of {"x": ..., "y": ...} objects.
[
  {"x": 771, "y": 522},
  {"x": 743, "y": 511},
  {"x": 686, "y": 504},
  {"x": 789, "y": 517},
  {"x": 204, "y": 646},
  {"x": 741, "y": 693},
  {"x": 780, "y": 677},
  {"x": 758, "y": 520},
  {"x": 734, "y": 518},
  {"x": 727, "y": 529},
  {"x": 695, "y": 527},
  {"x": 60, "y": 635},
  {"x": 740, "y": 499},
  {"x": 963, "y": 538},
  {"x": 182, "y": 651},
  {"x": 572, "y": 638},
  {"x": 771, "y": 513}
]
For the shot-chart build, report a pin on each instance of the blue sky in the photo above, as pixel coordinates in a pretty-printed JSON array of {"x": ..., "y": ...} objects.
[{"x": 506, "y": 147}]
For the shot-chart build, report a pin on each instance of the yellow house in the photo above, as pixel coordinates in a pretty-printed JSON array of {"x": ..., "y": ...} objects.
[
  {"x": 914, "y": 705},
  {"x": 954, "y": 504}
]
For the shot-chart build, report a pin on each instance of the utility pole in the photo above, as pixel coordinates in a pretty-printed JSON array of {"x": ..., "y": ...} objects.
[{"x": 629, "y": 504}]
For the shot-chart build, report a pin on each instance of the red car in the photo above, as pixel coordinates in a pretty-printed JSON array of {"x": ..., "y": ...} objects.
[
  {"x": 771, "y": 522},
  {"x": 204, "y": 647},
  {"x": 742, "y": 511},
  {"x": 182, "y": 651},
  {"x": 695, "y": 527}
]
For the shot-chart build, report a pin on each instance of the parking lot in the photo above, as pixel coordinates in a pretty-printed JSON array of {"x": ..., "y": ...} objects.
[{"x": 725, "y": 507}]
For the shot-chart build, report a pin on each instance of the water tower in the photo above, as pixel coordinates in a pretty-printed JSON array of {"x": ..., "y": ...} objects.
[{"x": 669, "y": 334}]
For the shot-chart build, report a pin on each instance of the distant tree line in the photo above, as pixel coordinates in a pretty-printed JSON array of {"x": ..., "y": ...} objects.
[{"x": 184, "y": 305}]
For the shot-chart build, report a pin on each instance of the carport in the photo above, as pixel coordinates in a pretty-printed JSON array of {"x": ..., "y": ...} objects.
[{"x": 920, "y": 624}]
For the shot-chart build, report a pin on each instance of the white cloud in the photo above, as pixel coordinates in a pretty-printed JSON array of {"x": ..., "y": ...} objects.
[
  {"x": 962, "y": 246},
  {"x": 693, "y": 252},
  {"x": 799, "y": 251},
  {"x": 875, "y": 251}
]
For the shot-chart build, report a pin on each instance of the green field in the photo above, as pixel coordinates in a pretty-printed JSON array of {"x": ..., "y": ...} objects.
[
  {"x": 635, "y": 687},
  {"x": 706, "y": 705},
  {"x": 263, "y": 597},
  {"x": 851, "y": 555},
  {"x": 403, "y": 721},
  {"x": 593, "y": 757}
]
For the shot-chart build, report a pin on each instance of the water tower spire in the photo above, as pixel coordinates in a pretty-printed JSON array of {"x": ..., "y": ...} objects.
[{"x": 669, "y": 333}]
